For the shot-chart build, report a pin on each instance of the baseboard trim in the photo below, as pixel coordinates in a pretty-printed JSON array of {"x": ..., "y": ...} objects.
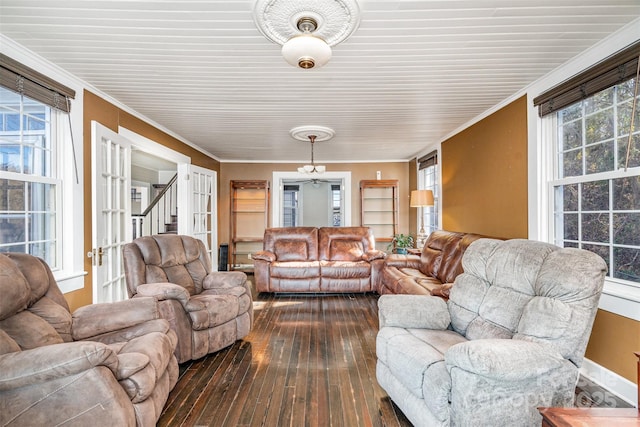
[{"x": 616, "y": 384}]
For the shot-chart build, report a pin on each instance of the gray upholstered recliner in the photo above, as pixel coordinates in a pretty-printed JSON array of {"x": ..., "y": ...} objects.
[
  {"x": 510, "y": 339},
  {"x": 208, "y": 310},
  {"x": 107, "y": 364}
]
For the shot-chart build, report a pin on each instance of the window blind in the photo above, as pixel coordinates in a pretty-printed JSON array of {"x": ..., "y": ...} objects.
[
  {"x": 427, "y": 160},
  {"x": 615, "y": 69},
  {"x": 30, "y": 83}
]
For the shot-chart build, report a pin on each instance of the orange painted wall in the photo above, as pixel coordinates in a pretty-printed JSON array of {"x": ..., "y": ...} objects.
[
  {"x": 484, "y": 175},
  {"x": 102, "y": 111},
  {"x": 613, "y": 340}
]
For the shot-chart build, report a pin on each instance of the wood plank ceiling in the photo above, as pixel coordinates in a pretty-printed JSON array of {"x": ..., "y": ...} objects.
[{"x": 413, "y": 72}]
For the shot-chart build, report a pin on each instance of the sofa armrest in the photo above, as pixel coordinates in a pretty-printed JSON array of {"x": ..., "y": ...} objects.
[
  {"x": 413, "y": 311},
  {"x": 162, "y": 291},
  {"x": 442, "y": 291},
  {"x": 97, "y": 319},
  {"x": 403, "y": 261},
  {"x": 504, "y": 359},
  {"x": 373, "y": 255},
  {"x": 41, "y": 364},
  {"x": 264, "y": 256}
]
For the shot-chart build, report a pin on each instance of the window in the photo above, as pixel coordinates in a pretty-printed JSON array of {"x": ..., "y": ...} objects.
[
  {"x": 596, "y": 185},
  {"x": 428, "y": 180},
  {"x": 290, "y": 205},
  {"x": 29, "y": 184},
  {"x": 336, "y": 205}
]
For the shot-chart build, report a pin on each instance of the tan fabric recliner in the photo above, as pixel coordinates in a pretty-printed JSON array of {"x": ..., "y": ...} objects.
[
  {"x": 208, "y": 310},
  {"x": 105, "y": 364}
]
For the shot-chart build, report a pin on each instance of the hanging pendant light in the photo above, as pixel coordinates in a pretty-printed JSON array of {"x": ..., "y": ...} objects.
[{"x": 312, "y": 168}]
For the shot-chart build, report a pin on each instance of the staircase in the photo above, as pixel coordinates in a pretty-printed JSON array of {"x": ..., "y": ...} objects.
[
  {"x": 161, "y": 216},
  {"x": 171, "y": 227}
]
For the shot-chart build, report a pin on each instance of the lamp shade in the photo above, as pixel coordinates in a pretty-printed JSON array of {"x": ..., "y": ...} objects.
[
  {"x": 306, "y": 51},
  {"x": 421, "y": 198}
]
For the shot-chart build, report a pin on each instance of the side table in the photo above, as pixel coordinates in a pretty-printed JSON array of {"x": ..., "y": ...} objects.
[{"x": 590, "y": 417}]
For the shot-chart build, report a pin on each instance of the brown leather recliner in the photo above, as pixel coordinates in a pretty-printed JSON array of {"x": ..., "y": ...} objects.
[
  {"x": 433, "y": 272},
  {"x": 208, "y": 310},
  {"x": 107, "y": 363}
]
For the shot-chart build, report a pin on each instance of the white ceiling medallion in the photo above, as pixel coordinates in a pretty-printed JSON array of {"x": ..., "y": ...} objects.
[
  {"x": 306, "y": 29},
  {"x": 321, "y": 133}
]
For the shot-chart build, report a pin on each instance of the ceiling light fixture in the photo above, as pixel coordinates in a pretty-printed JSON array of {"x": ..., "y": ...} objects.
[
  {"x": 312, "y": 168},
  {"x": 306, "y": 50},
  {"x": 312, "y": 134},
  {"x": 306, "y": 29}
]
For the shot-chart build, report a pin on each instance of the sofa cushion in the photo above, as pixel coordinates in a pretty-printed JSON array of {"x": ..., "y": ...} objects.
[
  {"x": 499, "y": 264},
  {"x": 328, "y": 250},
  {"x": 56, "y": 315},
  {"x": 7, "y": 344},
  {"x": 14, "y": 289},
  {"x": 295, "y": 269},
  {"x": 413, "y": 354},
  {"x": 308, "y": 235},
  {"x": 218, "y": 309},
  {"x": 345, "y": 250},
  {"x": 434, "y": 253},
  {"x": 30, "y": 331},
  {"x": 291, "y": 250},
  {"x": 166, "y": 258},
  {"x": 437, "y": 387},
  {"x": 345, "y": 269},
  {"x": 561, "y": 308}
]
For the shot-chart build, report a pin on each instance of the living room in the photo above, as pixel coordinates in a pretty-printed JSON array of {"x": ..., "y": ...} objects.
[{"x": 493, "y": 173}]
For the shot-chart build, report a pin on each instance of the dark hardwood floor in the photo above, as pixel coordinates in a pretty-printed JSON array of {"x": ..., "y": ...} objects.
[{"x": 310, "y": 360}]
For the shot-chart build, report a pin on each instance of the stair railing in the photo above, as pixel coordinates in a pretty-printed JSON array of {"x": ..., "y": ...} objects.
[{"x": 161, "y": 215}]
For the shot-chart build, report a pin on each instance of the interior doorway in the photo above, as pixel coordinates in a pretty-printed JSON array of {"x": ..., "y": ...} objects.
[
  {"x": 312, "y": 203},
  {"x": 311, "y": 200}
]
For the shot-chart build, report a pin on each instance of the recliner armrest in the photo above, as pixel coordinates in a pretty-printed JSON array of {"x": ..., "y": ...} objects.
[
  {"x": 442, "y": 291},
  {"x": 165, "y": 291},
  {"x": 403, "y": 261},
  {"x": 504, "y": 359},
  {"x": 224, "y": 279},
  {"x": 373, "y": 255},
  {"x": 97, "y": 319},
  {"x": 267, "y": 256},
  {"x": 41, "y": 364},
  {"x": 413, "y": 311}
]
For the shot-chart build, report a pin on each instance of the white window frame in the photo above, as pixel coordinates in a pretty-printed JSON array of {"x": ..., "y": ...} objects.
[
  {"x": 70, "y": 203},
  {"x": 617, "y": 297},
  {"x": 429, "y": 179},
  {"x": 52, "y": 135}
]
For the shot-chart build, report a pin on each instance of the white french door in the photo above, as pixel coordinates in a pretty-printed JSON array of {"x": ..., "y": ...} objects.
[
  {"x": 200, "y": 220},
  {"x": 111, "y": 211}
]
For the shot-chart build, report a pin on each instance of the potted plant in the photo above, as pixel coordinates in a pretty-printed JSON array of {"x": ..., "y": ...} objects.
[{"x": 400, "y": 243}]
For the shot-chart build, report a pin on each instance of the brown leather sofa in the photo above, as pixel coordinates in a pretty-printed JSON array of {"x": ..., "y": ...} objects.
[
  {"x": 107, "y": 364},
  {"x": 208, "y": 310},
  {"x": 326, "y": 259},
  {"x": 433, "y": 272}
]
